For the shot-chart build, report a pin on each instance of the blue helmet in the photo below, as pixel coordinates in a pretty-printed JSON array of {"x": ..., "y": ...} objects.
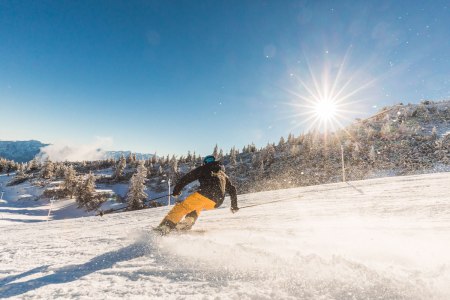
[{"x": 209, "y": 159}]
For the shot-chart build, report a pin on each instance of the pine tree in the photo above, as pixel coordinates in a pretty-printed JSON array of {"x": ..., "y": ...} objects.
[
  {"x": 120, "y": 168},
  {"x": 189, "y": 157},
  {"x": 174, "y": 165},
  {"x": 356, "y": 151},
  {"x": 233, "y": 156},
  {"x": 20, "y": 170},
  {"x": 290, "y": 138},
  {"x": 270, "y": 153},
  {"x": 216, "y": 151},
  {"x": 70, "y": 181},
  {"x": 48, "y": 169},
  {"x": 2, "y": 164},
  {"x": 33, "y": 165},
  {"x": 434, "y": 133},
  {"x": 60, "y": 170},
  {"x": 136, "y": 195},
  {"x": 85, "y": 193}
]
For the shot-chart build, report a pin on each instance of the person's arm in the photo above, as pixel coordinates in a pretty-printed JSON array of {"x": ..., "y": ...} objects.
[
  {"x": 185, "y": 180},
  {"x": 231, "y": 190}
]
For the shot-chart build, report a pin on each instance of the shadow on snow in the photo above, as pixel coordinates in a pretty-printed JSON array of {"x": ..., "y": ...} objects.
[{"x": 70, "y": 273}]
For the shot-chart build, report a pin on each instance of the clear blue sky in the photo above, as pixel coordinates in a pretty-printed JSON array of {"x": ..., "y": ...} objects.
[{"x": 173, "y": 76}]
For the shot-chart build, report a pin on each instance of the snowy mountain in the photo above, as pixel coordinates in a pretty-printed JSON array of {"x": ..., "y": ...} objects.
[
  {"x": 384, "y": 238},
  {"x": 20, "y": 151},
  {"x": 24, "y": 151}
]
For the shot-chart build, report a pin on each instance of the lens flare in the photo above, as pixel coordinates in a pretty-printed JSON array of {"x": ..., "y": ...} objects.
[
  {"x": 325, "y": 109},
  {"x": 325, "y": 100}
]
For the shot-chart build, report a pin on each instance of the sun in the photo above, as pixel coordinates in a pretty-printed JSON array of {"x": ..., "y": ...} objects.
[
  {"x": 328, "y": 96},
  {"x": 325, "y": 109}
]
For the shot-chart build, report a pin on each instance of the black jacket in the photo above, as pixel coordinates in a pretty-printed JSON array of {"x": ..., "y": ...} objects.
[{"x": 214, "y": 183}]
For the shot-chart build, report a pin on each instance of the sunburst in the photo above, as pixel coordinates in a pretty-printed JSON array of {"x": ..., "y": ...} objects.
[{"x": 324, "y": 102}]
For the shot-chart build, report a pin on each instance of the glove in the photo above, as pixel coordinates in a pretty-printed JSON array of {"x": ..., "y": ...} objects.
[{"x": 234, "y": 209}]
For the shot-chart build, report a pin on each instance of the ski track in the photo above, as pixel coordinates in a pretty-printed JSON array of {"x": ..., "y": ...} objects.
[{"x": 382, "y": 238}]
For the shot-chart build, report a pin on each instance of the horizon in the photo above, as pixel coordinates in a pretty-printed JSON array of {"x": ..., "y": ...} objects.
[{"x": 177, "y": 77}]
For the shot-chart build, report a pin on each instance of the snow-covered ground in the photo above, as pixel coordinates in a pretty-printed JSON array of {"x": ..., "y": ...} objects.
[{"x": 385, "y": 238}]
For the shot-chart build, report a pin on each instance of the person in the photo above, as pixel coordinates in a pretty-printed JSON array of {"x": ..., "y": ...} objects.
[{"x": 214, "y": 184}]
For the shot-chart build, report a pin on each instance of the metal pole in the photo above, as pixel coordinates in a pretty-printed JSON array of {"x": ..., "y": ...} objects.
[
  {"x": 343, "y": 163},
  {"x": 168, "y": 195},
  {"x": 50, "y": 209}
]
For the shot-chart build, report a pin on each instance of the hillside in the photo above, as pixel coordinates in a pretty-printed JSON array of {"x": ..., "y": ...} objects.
[
  {"x": 399, "y": 140},
  {"x": 20, "y": 151},
  {"x": 375, "y": 239}
]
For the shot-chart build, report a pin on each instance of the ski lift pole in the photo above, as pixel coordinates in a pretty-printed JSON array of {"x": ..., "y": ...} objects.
[
  {"x": 343, "y": 163},
  {"x": 168, "y": 195},
  {"x": 50, "y": 209}
]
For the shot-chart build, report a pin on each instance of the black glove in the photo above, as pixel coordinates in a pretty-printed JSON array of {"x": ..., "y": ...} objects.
[{"x": 234, "y": 209}]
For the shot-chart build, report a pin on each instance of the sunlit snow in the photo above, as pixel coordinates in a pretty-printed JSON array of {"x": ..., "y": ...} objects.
[{"x": 383, "y": 238}]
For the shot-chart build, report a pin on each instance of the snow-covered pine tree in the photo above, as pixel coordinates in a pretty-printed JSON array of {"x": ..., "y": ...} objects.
[
  {"x": 356, "y": 151},
  {"x": 48, "y": 169},
  {"x": 85, "y": 193},
  {"x": 216, "y": 151},
  {"x": 136, "y": 195},
  {"x": 70, "y": 181},
  {"x": 434, "y": 133},
  {"x": 120, "y": 168},
  {"x": 189, "y": 157},
  {"x": 269, "y": 153},
  {"x": 20, "y": 170},
  {"x": 174, "y": 165},
  {"x": 33, "y": 165},
  {"x": 233, "y": 156},
  {"x": 290, "y": 138},
  {"x": 59, "y": 170},
  {"x": 2, "y": 164}
]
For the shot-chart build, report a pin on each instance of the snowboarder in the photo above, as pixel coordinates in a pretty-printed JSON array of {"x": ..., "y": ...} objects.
[{"x": 214, "y": 183}]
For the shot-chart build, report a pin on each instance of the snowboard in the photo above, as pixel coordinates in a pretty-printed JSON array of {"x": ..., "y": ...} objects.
[{"x": 176, "y": 231}]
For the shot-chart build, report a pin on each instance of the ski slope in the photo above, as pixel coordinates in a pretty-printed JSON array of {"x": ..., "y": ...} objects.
[{"x": 383, "y": 238}]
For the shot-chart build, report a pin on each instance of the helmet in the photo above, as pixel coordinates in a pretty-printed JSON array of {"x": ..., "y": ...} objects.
[{"x": 209, "y": 159}]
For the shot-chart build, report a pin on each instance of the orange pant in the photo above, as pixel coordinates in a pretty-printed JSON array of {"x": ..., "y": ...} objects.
[{"x": 195, "y": 201}]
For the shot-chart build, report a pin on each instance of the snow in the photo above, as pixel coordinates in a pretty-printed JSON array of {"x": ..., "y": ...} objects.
[{"x": 384, "y": 238}]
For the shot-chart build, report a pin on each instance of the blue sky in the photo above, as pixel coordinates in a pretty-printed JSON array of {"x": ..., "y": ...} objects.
[{"x": 173, "y": 76}]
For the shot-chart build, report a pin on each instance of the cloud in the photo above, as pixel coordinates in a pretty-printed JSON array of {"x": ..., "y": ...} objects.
[{"x": 61, "y": 152}]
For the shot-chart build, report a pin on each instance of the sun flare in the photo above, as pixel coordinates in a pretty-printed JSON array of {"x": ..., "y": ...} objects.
[
  {"x": 325, "y": 109},
  {"x": 327, "y": 97}
]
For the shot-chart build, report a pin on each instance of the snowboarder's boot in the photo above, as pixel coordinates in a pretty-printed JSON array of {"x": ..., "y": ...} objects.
[
  {"x": 188, "y": 222},
  {"x": 165, "y": 227}
]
